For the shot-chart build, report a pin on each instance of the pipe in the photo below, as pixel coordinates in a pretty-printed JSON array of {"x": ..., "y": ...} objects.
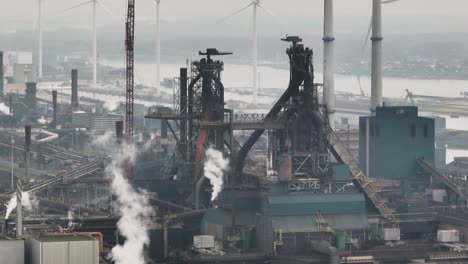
[
  {"x": 74, "y": 89},
  {"x": 376, "y": 78},
  {"x": 168, "y": 221},
  {"x": 197, "y": 191},
  {"x": 329, "y": 62},
  {"x": 170, "y": 205},
  {"x": 236, "y": 258}
]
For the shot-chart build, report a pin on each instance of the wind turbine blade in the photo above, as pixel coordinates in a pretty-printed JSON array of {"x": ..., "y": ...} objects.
[
  {"x": 389, "y": 1},
  {"x": 366, "y": 40},
  {"x": 233, "y": 14},
  {"x": 82, "y": 4},
  {"x": 273, "y": 15},
  {"x": 105, "y": 8}
]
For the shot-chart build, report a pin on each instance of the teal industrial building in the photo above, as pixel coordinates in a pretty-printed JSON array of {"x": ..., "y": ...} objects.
[{"x": 391, "y": 141}]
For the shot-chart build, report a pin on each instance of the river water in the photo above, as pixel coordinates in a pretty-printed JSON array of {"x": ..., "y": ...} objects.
[{"x": 239, "y": 76}]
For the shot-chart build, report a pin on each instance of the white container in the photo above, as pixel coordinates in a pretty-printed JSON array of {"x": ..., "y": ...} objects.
[
  {"x": 203, "y": 241},
  {"x": 12, "y": 251},
  {"x": 391, "y": 234},
  {"x": 62, "y": 250},
  {"x": 448, "y": 236}
]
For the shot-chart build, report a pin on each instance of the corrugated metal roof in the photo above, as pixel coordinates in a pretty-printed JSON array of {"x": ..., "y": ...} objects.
[
  {"x": 306, "y": 223},
  {"x": 63, "y": 238}
]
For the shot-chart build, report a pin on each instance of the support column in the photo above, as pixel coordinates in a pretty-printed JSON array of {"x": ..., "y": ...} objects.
[{"x": 54, "y": 107}]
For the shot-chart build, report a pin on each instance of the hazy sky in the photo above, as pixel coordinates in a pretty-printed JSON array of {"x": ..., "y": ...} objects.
[
  {"x": 351, "y": 15},
  {"x": 196, "y": 9}
]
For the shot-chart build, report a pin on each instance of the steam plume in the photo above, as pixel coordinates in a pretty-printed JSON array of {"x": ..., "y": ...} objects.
[
  {"x": 214, "y": 168},
  {"x": 4, "y": 109},
  {"x": 29, "y": 202},
  {"x": 134, "y": 209}
]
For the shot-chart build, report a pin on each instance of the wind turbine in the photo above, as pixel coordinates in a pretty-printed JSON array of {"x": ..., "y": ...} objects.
[
  {"x": 39, "y": 37},
  {"x": 255, "y": 4},
  {"x": 158, "y": 47},
  {"x": 94, "y": 2},
  {"x": 366, "y": 40}
]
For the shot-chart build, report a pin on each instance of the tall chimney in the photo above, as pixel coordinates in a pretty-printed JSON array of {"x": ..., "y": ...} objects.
[
  {"x": 376, "y": 79},
  {"x": 27, "y": 150},
  {"x": 329, "y": 61},
  {"x": 19, "y": 209},
  {"x": 74, "y": 89},
  {"x": 119, "y": 128},
  {"x": 183, "y": 111},
  {"x": 31, "y": 100},
  {"x": 54, "y": 106},
  {"x": 1, "y": 76}
]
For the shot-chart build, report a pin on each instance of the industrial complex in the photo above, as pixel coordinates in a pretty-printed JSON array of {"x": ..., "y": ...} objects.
[{"x": 190, "y": 179}]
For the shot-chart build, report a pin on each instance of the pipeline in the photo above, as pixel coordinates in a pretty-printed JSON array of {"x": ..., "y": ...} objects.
[
  {"x": 169, "y": 220},
  {"x": 238, "y": 258}
]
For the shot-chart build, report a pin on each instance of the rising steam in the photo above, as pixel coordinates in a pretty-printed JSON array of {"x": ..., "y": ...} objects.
[
  {"x": 29, "y": 202},
  {"x": 4, "y": 109},
  {"x": 134, "y": 209},
  {"x": 214, "y": 168}
]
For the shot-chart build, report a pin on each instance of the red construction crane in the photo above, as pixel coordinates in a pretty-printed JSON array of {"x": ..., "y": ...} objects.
[{"x": 129, "y": 41}]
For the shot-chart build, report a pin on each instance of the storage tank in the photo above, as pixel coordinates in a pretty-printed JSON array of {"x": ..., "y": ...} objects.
[
  {"x": 448, "y": 236},
  {"x": 12, "y": 250},
  {"x": 77, "y": 249}
]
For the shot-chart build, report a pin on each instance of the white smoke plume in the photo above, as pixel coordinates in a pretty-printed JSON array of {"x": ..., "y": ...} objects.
[
  {"x": 4, "y": 109},
  {"x": 214, "y": 168},
  {"x": 104, "y": 141},
  {"x": 29, "y": 202},
  {"x": 71, "y": 218},
  {"x": 134, "y": 209},
  {"x": 42, "y": 120}
]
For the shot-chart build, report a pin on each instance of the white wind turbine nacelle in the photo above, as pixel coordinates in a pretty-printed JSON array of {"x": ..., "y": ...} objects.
[
  {"x": 94, "y": 2},
  {"x": 254, "y": 4}
]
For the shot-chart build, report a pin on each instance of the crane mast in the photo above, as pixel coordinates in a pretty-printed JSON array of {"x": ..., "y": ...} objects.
[{"x": 129, "y": 47}]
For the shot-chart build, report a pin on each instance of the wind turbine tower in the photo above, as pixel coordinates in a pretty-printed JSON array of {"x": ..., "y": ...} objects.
[
  {"x": 158, "y": 47},
  {"x": 39, "y": 38}
]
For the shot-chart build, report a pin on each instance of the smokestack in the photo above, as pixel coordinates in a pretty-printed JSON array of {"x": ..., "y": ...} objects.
[
  {"x": 19, "y": 209},
  {"x": 19, "y": 184},
  {"x": 376, "y": 79},
  {"x": 31, "y": 100},
  {"x": 119, "y": 128},
  {"x": 183, "y": 111},
  {"x": 329, "y": 61},
  {"x": 54, "y": 106},
  {"x": 1, "y": 76},
  {"x": 163, "y": 129},
  {"x": 74, "y": 89},
  {"x": 27, "y": 148}
]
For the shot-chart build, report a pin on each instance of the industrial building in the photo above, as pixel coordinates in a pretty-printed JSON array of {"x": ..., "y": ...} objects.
[{"x": 191, "y": 179}]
